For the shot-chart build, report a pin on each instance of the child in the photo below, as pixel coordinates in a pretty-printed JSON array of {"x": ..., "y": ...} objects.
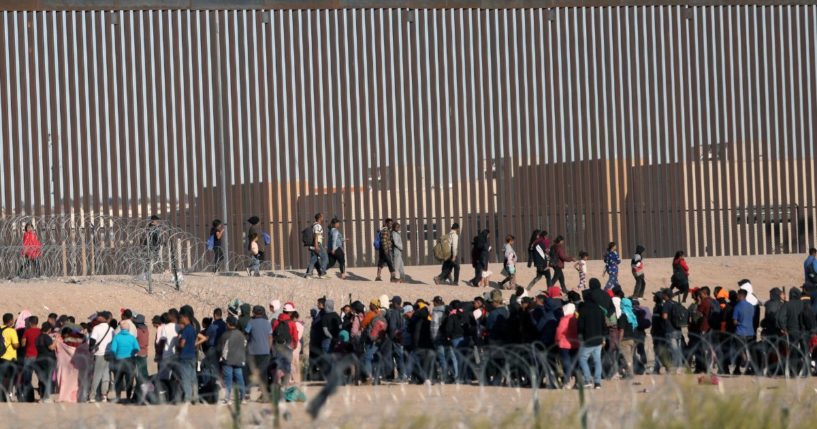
[
  {"x": 637, "y": 265},
  {"x": 510, "y": 263},
  {"x": 611, "y": 263},
  {"x": 255, "y": 261},
  {"x": 581, "y": 267}
]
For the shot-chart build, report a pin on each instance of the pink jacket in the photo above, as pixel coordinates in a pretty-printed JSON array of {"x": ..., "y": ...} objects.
[{"x": 567, "y": 333}]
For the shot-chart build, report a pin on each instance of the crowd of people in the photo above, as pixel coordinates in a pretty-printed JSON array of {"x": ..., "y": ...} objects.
[{"x": 566, "y": 336}]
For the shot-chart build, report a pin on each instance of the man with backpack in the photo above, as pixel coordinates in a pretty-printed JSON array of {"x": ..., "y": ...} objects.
[
  {"x": 313, "y": 239},
  {"x": 676, "y": 318},
  {"x": 393, "y": 352},
  {"x": 284, "y": 340},
  {"x": 384, "y": 247},
  {"x": 447, "y": 251}
]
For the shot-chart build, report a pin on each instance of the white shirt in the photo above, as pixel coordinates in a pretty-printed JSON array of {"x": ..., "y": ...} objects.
[
  {"x": 102, "y": 339},
  {"x": 317, "y": 229},
  {"x": 168, "y": 333}
]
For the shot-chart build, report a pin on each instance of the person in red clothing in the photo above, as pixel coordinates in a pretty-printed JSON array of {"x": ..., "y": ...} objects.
[
  {"x": 29, "y": 344},
  {"x": 567, "y": 338},
  {"x": 557, "y": 259},
  {"x": 680, "y": 275},
  {"x": 32, "y": 250},
  {"x": 284, "y": 340}
]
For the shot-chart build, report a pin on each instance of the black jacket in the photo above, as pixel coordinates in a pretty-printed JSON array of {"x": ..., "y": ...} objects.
[
  {"x": 591, "y": 324},
  {"x": 420, "y": 328}
]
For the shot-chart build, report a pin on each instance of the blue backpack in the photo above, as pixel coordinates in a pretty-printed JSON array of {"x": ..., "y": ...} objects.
[
  {"x": 377, "y": 243},
  {"x": 211, "y": 242}
]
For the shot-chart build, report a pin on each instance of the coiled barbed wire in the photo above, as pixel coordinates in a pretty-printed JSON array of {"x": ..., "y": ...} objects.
[{"x": 90, "y": 245}]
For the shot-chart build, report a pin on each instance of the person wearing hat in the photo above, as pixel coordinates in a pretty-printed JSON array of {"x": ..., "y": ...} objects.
[
  {"x": 140, "y": 361},
  {"x": 259, "y": 340},
  {"x": 284, "y": 341},
  {"x": 452, "y": 264}
]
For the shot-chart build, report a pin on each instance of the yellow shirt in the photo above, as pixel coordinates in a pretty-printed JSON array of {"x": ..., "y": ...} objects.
[{"x": 10, "y": 338}]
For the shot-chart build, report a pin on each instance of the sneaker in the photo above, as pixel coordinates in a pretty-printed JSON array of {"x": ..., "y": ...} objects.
[
  {"x": 588, "y": 386},
  {"x": 226, "y": 402},
  {"x": 597, "y": 386},
  {"x": 437, "y": 281},
  {"x": 325, "y": 277},
  {"x": 378, "y": 279},
  {"x": 92, "y": 401}
]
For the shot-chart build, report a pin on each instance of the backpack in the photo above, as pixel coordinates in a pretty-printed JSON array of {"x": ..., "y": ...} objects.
[
  {"x": 376, "y": 330},
  {"x": 610, "y": 320},
  {"x": 679, "y": 316},
  {"x": 308, "y": 236},
  {"x": 696, "y": 317},
  {"x": 211, "y": 242},
  {"x": 643, "y": 322},
  {"x": 3, "y": 347},
  {"x": 377, "y": 240},
  {"x": 442, "y": 249},
  {"x": 553, "y": 256},
  {"x": 281, "y": 335}
]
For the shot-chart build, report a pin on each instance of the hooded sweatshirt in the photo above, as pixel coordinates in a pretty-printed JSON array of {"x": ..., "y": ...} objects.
[
  {"x": 599, "y": 296},
  {"x": 773, "y": 306},
  {"x": 795, "y": 317},
  {"x": 591, "y": 325}
]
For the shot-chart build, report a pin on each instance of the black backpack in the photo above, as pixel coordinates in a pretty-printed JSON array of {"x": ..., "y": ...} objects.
[
  {"x": 679, "y": 316},
  {"x": 308, "y": 236},
  {"x": 3, "y": 341},
  {"x": 281, "y": 334},
  {"x": 554, "y": 256}
]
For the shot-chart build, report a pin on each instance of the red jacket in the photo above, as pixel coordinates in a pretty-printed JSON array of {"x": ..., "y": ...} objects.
[
  {"x": 293, "y": 330},
  {"x": 567, "y": 333},
  {"x": 32, "y": 249},
  {"x": 681, "y": 263}
]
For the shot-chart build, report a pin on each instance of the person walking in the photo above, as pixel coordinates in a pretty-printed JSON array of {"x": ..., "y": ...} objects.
[
  {"x": 611, "y": 262},
  {"x": 533, "y": 237},
  {"x": 558, "y": 257},
  {"x": 680, "y": 275},
  {"x": 637, "y": 266},
  {"x": 384, "y": 246},
  {"x": 480, "y": 254},
  {"x": 509, "y": 265},
  {"x": 318, "y": 257},
  {"x": 254, "y": 229},
  {"x": 449, "y": 245},
  {"x": 397, "y": 254},
  {"x": 541, "y": 259},
  {"x": 216, "y": 232},
  {"x": 337, "y": 247}
]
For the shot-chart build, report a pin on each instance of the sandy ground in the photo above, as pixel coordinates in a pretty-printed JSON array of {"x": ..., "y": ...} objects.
[{"x": 353, "y": 404}]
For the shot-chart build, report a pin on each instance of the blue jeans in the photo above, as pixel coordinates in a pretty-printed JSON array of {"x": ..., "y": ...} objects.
[
  {"x": 676, "y": 348},
  {"x": 399, "y": 356},
  {"x": 234, "y": 373},
  {"x": 318, "y": 255},
  {"x": 446, "y": 355},
  {"x": 187, "y": 377},
  {"x": 584, "y": 354},
  {"x": 568, "y": 363},
  {"x": 369, "y": 352}
]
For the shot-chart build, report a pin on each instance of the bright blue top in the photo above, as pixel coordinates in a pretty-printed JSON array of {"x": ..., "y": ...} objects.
[
  {"x": 744, "y": 315},
  {"x": 124, "y": 345}
]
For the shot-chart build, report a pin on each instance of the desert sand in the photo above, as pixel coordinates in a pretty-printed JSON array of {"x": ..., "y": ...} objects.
[{"x": 356, "y": 406}]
